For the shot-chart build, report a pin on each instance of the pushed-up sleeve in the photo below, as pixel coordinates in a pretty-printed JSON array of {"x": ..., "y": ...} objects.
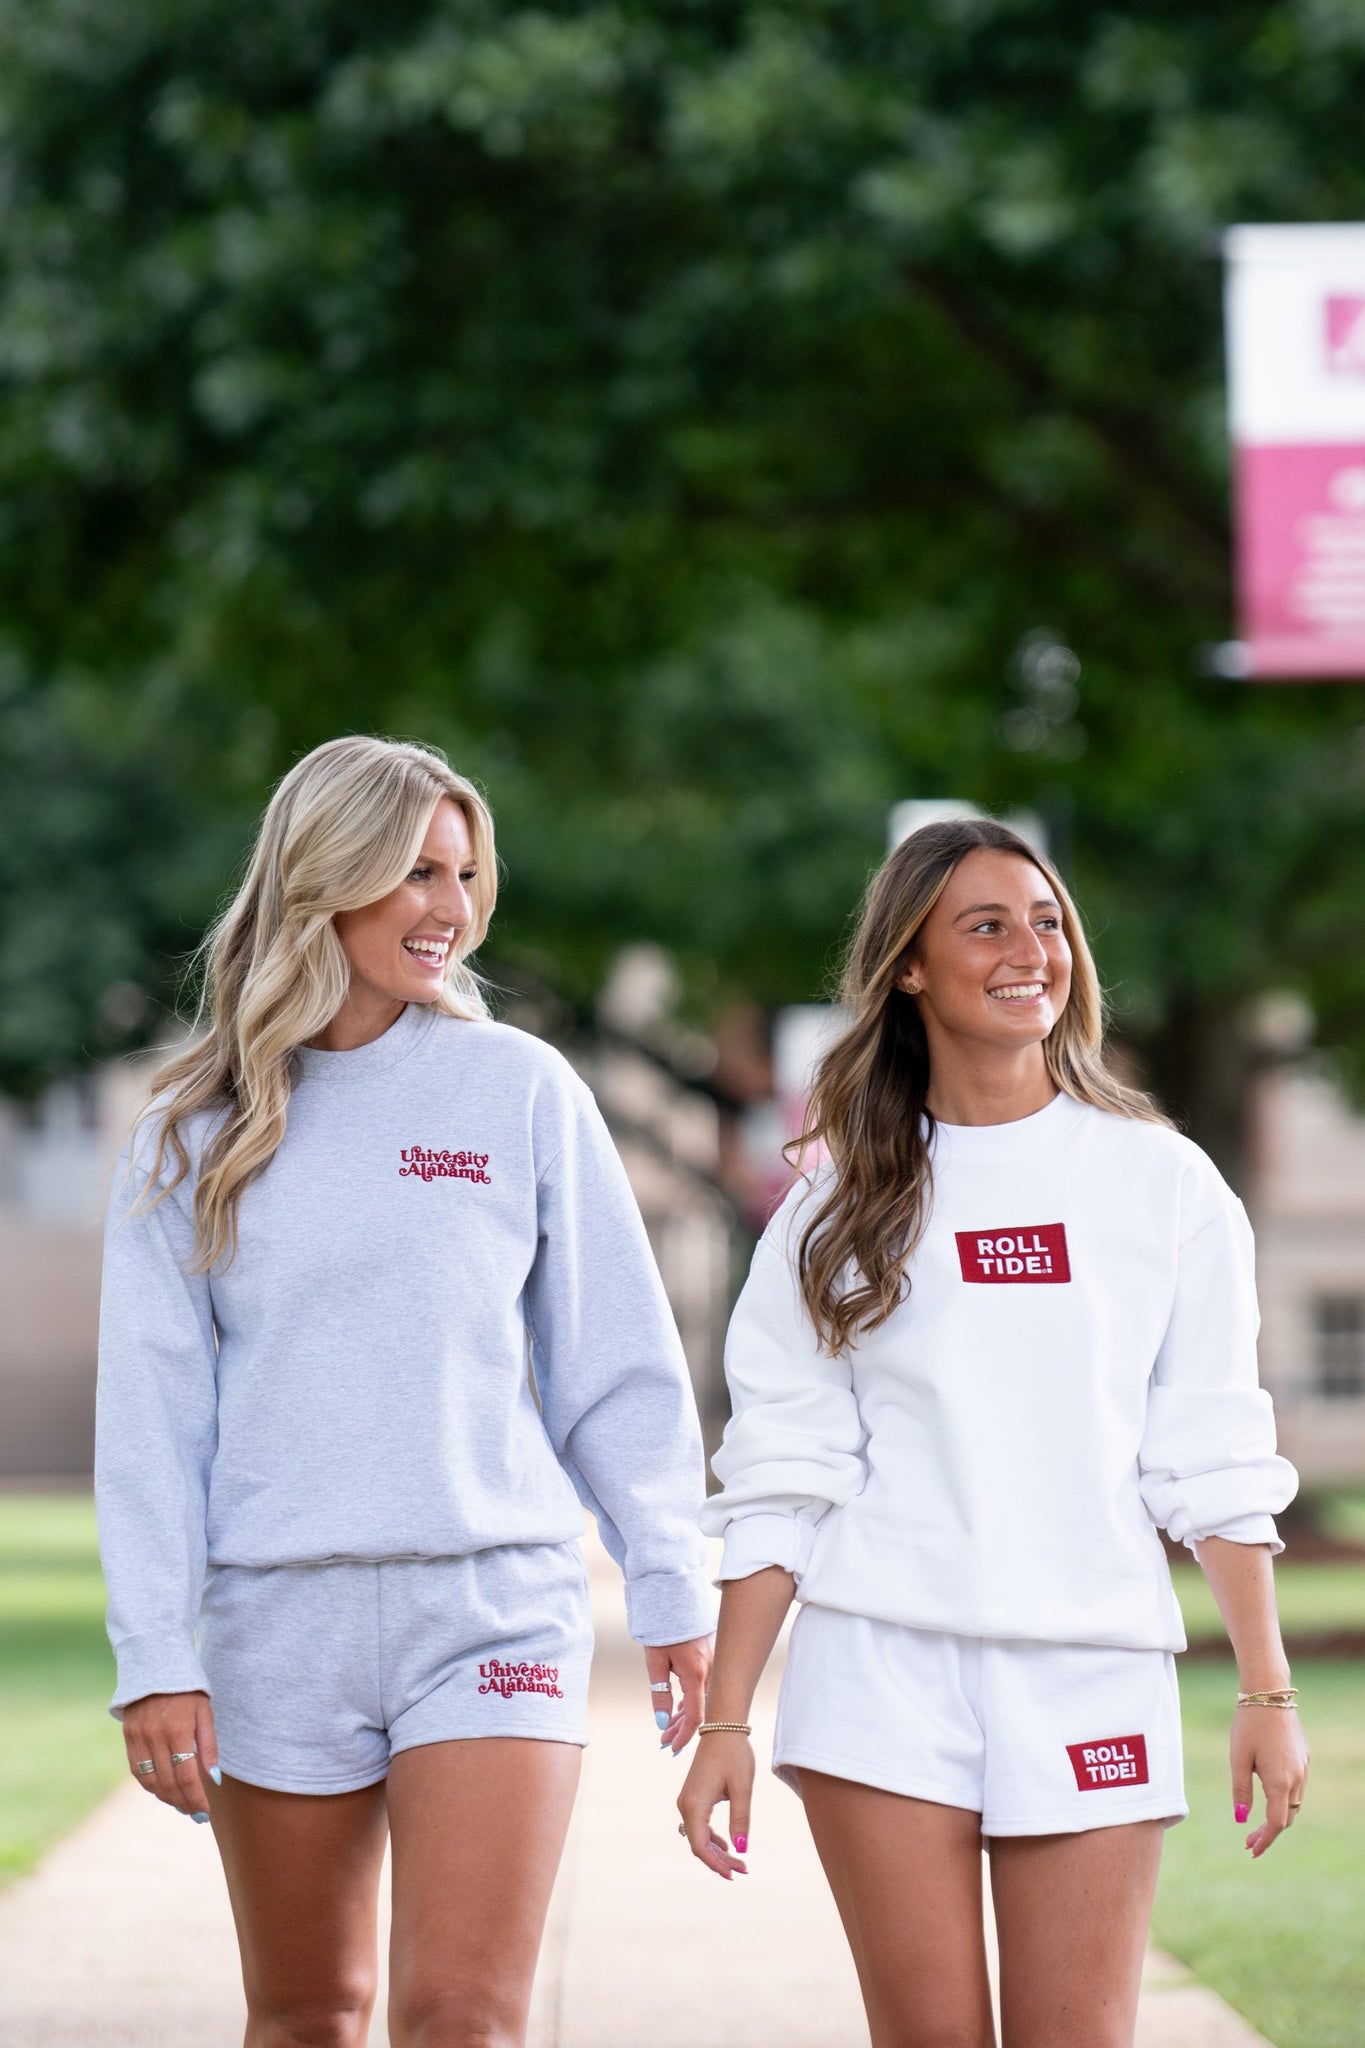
[
  {"x": 616, "y": 1399},
  {"x": 156, "y": 1430},
  {"x": 1207, "y": 1463},
  {"x": 793, "y": 1446}
]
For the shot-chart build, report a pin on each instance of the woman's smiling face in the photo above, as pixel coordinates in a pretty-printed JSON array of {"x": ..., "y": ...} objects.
[
  {"x": 400, "y": 947},
  {"x": 991, "y": 962}
]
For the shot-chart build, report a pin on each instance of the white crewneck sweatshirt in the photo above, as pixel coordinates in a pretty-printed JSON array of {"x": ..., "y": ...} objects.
[
  {"x": 1073, "y": 1367},
  {"x": 354, "y": 1384}
]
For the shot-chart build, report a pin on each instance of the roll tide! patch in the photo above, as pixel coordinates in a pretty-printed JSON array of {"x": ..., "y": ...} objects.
[
  {"x": 1028, "y": 1253},
  {"x": 1117, "y": 1760}
]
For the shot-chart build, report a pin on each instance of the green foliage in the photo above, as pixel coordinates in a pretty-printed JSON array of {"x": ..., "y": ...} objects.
[{"x": 703, "y": 418}]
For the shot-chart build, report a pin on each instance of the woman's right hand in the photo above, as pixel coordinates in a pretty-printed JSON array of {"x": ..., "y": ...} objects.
[
  {"x": 169, "y": 1724},
  {"x": 722, "y": 1769}
]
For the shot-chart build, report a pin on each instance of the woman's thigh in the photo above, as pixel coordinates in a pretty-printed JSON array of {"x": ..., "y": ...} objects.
[
  {"x": 907, "y": 1878},
  {"x": 1072, "y": 1913},
  {"x": 478, "y": 1828},
  {"x": 303, "y": 1878}
]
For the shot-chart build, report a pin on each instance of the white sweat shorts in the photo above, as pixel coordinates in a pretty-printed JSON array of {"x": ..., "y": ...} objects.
[
  {"x": 320, "y": 1673},
  {"x": 1038, "y": 1738}
]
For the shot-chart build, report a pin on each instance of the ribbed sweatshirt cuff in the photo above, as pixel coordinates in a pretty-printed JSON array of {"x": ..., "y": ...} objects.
[
  {"x": 669, "y": 1607},
  {"x": 754, "y": 1542},
  {"x": 164, "y": 1661}
]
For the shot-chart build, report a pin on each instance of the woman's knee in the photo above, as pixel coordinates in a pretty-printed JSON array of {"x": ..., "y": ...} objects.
[
  {"x": 465, "y": 2015},
  {"x": 339, "y": 2019}
]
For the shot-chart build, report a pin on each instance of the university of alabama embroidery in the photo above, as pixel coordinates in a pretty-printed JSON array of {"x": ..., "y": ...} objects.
[
  {"x": 1030, "y": 1252},
  {"x": 505, "y": 1679},
  {"x": 1118, "y": 1760},
  {"x": 429, "y": 1164}
]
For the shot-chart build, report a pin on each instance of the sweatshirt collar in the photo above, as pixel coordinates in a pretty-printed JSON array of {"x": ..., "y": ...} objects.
[
  {"x": 403, "y": 1036},
  {"x": 1024, "y": 1138}
]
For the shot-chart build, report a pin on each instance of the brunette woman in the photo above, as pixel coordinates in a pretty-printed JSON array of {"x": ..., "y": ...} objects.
[{"x": 1005, "y": 1333}]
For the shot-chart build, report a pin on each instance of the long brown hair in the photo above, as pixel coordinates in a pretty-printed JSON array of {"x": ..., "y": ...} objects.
[
  {"x": 869, "y": 1107},
  {"x": 342, "y": 830}
]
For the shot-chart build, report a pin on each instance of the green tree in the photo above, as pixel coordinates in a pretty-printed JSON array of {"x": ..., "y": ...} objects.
[{"x": 712, "y": 422}]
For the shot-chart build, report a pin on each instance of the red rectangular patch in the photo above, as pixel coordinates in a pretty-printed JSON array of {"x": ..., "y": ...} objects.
[
  {"x": 1117, "y": 1760},
  {"x": 1023, "y": 1254}
]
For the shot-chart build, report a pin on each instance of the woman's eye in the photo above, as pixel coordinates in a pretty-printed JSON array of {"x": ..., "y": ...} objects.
[
  {"x": 420, "y": 875},
  {"x": 469, "y": 875}
]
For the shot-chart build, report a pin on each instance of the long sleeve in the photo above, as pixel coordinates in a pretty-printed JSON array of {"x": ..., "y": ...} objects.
[
  {"x": 615, "y": 1396},
  {"x": 1207, "y": 1461},
  {"x": 155, "y": 1432},
  {"x": 793, "y": 1446}
]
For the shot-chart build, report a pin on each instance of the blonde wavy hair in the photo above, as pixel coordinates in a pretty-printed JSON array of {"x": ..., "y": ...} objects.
[
  {"x": 869, "y": 1108},
  {"x": 342, "y": 829}
]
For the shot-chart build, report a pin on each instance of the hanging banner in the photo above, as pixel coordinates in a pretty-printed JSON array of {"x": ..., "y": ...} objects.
[{"x": 1296, "y": 396}]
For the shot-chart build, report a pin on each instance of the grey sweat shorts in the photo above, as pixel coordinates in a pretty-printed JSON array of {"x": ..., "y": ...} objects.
[{"x": 322, "y": 1672}]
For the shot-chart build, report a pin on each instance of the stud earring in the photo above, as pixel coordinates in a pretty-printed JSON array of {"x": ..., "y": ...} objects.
[{"x": 910, "y": 988}]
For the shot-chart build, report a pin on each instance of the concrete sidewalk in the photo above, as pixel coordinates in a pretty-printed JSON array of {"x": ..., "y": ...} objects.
[{"x": 123, "y": 1938}]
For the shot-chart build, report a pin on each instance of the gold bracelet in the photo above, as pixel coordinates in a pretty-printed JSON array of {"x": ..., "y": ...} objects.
[
  {"x": 1272, "y": 1696},
  {"x": 725, "y": 1728}
]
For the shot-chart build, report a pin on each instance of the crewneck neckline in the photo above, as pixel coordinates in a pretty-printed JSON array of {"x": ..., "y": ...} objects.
[
  {"x": 403, "y": 1036},
  {"x": 969, "y": 1144}
]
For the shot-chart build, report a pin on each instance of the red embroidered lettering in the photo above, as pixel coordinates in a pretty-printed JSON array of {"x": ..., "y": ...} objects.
[
  {"x": 1028, "y": 1256},
  {"x": 1118, "y": 1760},
  {"x": 506, "y": 1679},
  {"x": 426, "y": 1163}
]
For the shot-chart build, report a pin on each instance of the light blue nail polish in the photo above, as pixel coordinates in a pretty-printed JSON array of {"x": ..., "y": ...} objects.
[
  {"x": 200, "y": 1817},
  {"x": 660, "y": 1718},
  {"x": 216, "y": 1774}
]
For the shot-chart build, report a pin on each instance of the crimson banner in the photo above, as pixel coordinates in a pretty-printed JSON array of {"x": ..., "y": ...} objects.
[{"x": 1296, "y": 395}]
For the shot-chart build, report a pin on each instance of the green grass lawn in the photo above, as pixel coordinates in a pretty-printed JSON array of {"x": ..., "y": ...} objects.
[
  {"x": 60, "y": 1752},
  {"x": 1281, "y": 1938}
]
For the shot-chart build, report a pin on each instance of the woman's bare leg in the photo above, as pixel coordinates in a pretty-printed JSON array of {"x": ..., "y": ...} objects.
[
  {"x": 478, "y": 1829},
  {"x": 907, "y": 1879},
  {"x": 1072, "y": 1913},
  {"x": 303, "y": 1878}
]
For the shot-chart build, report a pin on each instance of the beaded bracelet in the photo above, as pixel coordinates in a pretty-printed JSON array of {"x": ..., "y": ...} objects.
[
  {"x": 724, "y": 1728},
  {"x": 1273, "y": 1696}
]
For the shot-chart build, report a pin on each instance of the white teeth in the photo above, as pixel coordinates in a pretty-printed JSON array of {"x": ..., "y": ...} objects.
[
  {"x": 425, "y": 950},
  {"x": 1021, "y": 992}
]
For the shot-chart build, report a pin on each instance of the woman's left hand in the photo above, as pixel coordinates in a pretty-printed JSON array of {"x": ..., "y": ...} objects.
[
  {"x": 690, "y": 1664},
  {"x": 1269, "y": 1743}
]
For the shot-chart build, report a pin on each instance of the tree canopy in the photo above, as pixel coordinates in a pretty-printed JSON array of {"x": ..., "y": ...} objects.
[{"x": 711, "y": 422}]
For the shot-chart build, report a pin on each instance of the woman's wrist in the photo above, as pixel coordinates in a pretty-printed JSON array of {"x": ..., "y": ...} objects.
[
  {"x": 731, "y": 1707},
  {"x": 1264, "y": 1674}
]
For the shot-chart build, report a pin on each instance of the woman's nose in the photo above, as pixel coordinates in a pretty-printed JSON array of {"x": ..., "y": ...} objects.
[{"x": 1029, "y": 950}]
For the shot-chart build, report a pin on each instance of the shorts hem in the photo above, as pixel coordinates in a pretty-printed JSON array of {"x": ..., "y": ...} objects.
[
  {"x": 864, "y": 1774},
  {"x": 577, "y": 1740},
  {"x": 1071, "y": 1824},
  {"x": 313, "y": 1789}
]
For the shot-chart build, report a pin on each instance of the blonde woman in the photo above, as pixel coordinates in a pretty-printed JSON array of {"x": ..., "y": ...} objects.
[
  {"x": 339, "y": 1516},
  {"x": 1005, "y": 1334}
]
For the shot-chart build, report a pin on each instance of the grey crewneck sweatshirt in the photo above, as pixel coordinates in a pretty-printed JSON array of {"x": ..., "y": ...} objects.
[{"x": 354, "y": 1383}]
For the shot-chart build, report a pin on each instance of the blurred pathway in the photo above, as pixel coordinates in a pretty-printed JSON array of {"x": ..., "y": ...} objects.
[{"x": 123, "y": 1939}]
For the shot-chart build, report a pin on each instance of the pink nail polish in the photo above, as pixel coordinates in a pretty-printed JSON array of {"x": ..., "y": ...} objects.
[
  {"x": 741, "y": 1843},
  {"x": 1239, "y": 1813}
]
